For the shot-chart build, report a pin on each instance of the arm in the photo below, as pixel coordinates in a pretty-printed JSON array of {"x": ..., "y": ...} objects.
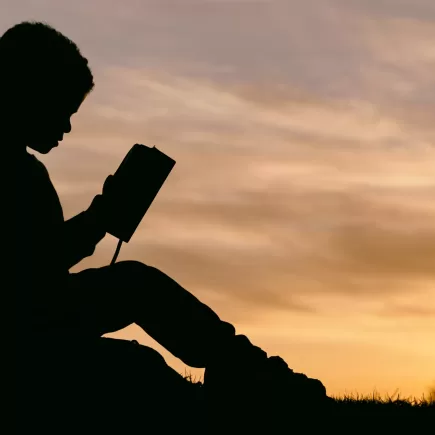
[{"x": 82, "y": 233}]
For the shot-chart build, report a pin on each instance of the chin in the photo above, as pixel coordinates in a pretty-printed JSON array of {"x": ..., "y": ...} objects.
[{"x": 43, "y": 148}]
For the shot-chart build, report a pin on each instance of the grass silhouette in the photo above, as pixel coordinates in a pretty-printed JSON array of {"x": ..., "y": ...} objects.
[
  {"x": 376, "y": 401},
  {"x": 390, "y": 406}
]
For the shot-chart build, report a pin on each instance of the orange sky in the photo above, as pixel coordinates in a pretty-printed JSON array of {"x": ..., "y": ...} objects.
[{"x": 302, "y": 205}]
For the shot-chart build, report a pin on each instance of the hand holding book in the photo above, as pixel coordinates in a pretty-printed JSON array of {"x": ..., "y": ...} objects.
[
  {"x": 129, "y": 193},
  {"x": 97, "y": 211}
]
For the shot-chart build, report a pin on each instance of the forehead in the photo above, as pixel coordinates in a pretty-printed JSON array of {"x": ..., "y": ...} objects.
[{"x": 64, "y": 101}]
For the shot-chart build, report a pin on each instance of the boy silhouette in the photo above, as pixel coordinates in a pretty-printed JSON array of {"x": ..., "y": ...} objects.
[
  {"x": 48, "y": 79},
  {"x": 44, "y": 80}
]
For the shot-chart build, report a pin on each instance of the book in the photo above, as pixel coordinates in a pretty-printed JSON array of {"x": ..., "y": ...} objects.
[{"x": 134, "y": 187}]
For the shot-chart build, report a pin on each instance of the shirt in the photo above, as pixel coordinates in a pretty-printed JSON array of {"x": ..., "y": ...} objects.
[{"x": 46, "y": 246}]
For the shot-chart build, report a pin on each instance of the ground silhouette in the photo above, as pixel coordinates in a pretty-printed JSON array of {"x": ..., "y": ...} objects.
[{"x": 69, "y": 378}]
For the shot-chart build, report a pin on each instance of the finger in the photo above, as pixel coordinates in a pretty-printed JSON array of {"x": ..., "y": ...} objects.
[{"x": 108, "y": 184}]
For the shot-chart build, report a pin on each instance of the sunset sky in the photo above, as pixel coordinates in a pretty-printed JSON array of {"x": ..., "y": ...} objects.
[{"x": 302, "y": 204}]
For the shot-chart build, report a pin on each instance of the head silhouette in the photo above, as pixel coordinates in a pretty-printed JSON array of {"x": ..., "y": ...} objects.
[{"x": 43, "y": 81}]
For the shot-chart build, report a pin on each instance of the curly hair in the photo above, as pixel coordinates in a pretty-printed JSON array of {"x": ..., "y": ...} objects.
[{"x": 35, "y": 57}]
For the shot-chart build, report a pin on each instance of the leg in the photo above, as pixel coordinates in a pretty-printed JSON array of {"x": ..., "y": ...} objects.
[
  {"x": 132, "y": 292},
  {"x": 136, "y": 381},
  {"x": 104, "y": 385}
]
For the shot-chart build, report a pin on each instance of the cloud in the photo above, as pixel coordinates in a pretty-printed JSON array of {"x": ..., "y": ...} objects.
[
  {"x": 413, "y": 311},
  {"x": 276, "y": 199},
  {"x": 422, "y": 10}
]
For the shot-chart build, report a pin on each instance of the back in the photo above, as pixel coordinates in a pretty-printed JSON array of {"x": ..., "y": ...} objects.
[{"x": 37, "y": 254}]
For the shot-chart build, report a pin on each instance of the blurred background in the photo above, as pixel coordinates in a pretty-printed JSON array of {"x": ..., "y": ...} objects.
[{"x": 302, "y": 204}]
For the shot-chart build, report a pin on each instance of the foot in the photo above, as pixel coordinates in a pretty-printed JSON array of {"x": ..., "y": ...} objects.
[{"x": 243, "y": 384}]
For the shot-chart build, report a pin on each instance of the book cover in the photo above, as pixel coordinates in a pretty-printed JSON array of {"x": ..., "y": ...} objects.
[{"x": 135, "y": 185}]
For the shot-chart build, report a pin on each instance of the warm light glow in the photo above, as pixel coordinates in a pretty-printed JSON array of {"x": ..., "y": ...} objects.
[{"x": 302, "y": 205}]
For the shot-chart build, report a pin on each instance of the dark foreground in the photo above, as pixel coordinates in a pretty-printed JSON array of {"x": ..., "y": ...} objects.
[{"x": 125, "y": 391}]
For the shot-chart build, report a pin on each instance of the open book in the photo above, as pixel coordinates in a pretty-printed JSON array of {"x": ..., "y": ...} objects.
[{"x": 135, "y": 185}]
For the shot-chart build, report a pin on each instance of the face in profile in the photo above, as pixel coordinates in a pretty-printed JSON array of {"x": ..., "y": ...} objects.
[{"x": 49, "y": 120}]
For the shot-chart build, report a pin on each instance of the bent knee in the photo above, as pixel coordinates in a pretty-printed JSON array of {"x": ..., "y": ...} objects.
[{"x": 133, "y": 268}]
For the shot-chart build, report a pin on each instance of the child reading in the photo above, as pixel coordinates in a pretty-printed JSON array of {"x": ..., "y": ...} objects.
[{"x": 44, "y": 81}]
